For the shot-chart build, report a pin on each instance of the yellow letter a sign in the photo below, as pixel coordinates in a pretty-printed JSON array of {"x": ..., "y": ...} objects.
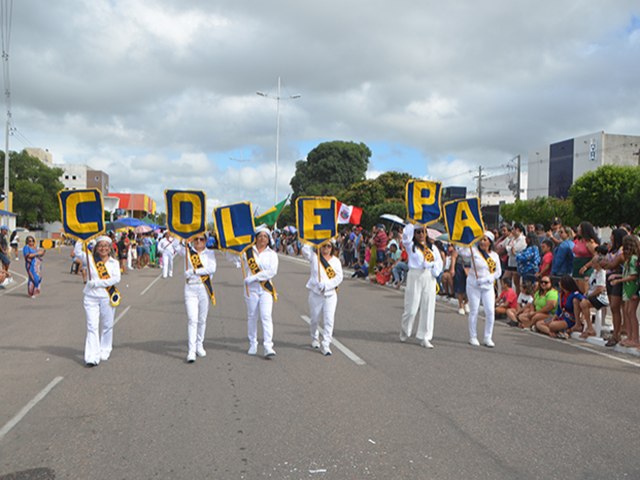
[{"x": 463, "y": 220}]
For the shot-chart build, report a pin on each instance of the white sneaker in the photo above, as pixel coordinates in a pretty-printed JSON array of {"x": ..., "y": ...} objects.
[
  {"x": 466, "y": 308},
  {"x": 474, "y": 341},
  {"x": 315, "y": 344},
  {"x": 461, "y": 311},
  {"x": 201, "y": 352},
  {"x": 426, "y": 343},
  {"x": 269, "y": 352},
  {"x": 191, "y": 357},
  {"x": 403, "y": 337},
  {"x": 253, "y": 349},
  {"x": 326, "y": 351},
  {"x": 489, "y": 343}
]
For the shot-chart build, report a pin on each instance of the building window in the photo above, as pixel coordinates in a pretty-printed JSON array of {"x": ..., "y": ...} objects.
[{"x": 66, "y": 177}]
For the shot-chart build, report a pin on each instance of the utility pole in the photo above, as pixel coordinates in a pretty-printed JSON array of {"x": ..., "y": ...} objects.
[
  {"x": 480, "y": 184},
  {"x": 518, "y": 178}
]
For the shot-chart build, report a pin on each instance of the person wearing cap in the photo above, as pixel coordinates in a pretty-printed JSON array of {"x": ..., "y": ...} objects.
[
  {"x": 103, "y": 273},
  {"x": 32, "y": 258},
  {"x": 200, "y": 265},
  {"x": 167, "y": 248},
  {"x": 485, "y": 270},
  {"x": 425, "y": 265},
  {"x": 260, "y": 266},
  {"x": 380, "y": 240},
  {"x": 325, "y": 276}
]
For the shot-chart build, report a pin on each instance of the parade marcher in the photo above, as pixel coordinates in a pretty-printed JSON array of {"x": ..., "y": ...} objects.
[
  {"x": 100, "y": 300},
  {"x": 260, "y": 265},
  {"x": 425, "y": 265},
  {"x": 326, "y": 275},
  {"x": 484, "y": 272},
  {"x": 167, "y": 247},
  {"x": 200, "y": 265},
  {"x": 32, "y": 260}
]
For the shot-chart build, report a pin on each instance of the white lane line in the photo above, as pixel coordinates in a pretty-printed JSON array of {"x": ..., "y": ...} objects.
[
  {"x": 151, "y": 285},
  {"x": 21, "y": 414},
  {"x": 122, "y": 314},
  {"x": 14, "y": 285},
  {"x": 352, "y": 356}
]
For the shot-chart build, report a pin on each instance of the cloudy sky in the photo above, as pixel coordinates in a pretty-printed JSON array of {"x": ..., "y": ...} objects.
[{"x": 162, "y": 94}]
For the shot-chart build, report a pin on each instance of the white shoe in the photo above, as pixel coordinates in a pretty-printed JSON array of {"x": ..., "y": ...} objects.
[
  {"x": 253, "y": 349},
  {"x": 269, "y": 352},
  {"x": 191, "y": 357},
  {"x": 474, "y": 341},
  {"x": 466, "y": 308},
  {"x": 461, "y": 311},
  {"x": 201, "y": 352},
  {"x": 426, "y": 343},
  {"x": 489, "y": 343},
  {"x": 403, "y": 337},
  {"x": 315, "y": 344},
  {"x": 326, "y": 351},
  {"x": 104, "y": 356}
]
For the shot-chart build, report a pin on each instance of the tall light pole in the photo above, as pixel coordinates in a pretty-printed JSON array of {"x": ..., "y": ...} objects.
[{"x": 277, "y": 99}]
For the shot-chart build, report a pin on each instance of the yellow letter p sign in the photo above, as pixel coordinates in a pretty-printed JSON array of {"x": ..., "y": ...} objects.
[
  {"x": 423, "y": 201},
  {"x": 463, "y": 220}
]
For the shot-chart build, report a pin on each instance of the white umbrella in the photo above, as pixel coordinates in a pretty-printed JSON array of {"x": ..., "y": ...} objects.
[{"x": 393, "y": 218}]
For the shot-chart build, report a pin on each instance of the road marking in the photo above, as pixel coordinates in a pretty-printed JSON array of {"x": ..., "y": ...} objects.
[
  {"x": 13, "y": 286},
  {"x": 124, "y": 312},
  {"x": 34, "y": 401},
  {"x": 150, "y": 285},
  {"x": 352, "y": 356}
]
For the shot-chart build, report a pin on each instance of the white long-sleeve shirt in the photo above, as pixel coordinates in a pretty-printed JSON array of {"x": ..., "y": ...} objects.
[
  {"x": 416, "y": 257},
  {"x": 191, "y": 274},
  {"x": 167, "y": 246},
  {"x": 479, "y": 274},
  {"x": 97, "y": 287},
  {"x": 268, "y": 263},
  {"x": 324, "y": 285},
  {"x": 514, "y": 246}
]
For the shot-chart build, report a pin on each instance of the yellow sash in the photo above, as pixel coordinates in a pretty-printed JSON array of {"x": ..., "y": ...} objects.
[
  {"x": 196, "y": 261},
  {"x": 103, "y": 273},
  {"x": 491, "y": 263},
  {"x": 331, "y": 273},
  {"x": 426, "y": 251},
  {"x": 255, "y": 269}
]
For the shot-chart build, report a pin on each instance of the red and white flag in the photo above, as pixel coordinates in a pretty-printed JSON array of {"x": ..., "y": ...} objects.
[{"x": 349, "y": 214}]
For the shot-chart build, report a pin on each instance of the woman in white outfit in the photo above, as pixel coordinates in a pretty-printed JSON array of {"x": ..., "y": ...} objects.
[
  {"x": 485, "y": 270},
  {"x": 260, "y": 264},
  {"x": 200, "y": 266},
  {"x": 326, "y": 275},
  {"x": 425, "y": 264},
  {"x": 99, "y": 291},
  {"x": 167, "y": 247}
]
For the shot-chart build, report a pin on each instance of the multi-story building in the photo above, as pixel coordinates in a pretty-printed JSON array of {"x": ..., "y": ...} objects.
[{"x": 554, "y": 168}]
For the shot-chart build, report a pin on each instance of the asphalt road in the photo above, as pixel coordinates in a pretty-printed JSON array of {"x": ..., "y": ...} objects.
[{"x": 531, "y": 408}]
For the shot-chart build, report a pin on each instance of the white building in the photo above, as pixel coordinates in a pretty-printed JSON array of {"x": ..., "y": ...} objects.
[
  {"x": 502, "y": 188},
  {"x": 554, "y": 168}
]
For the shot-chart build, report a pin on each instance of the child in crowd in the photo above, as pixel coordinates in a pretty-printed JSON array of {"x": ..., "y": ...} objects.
[
  {"x": 546, "y": 249},
  {"x": 361, "y": 270},
  {"x": 568, "y": 304},
  {"x": 629, "y": 280},
  {"x": 596, "y": 295},
  {"x": 507, "y": 299},
  {"x": 524, "y": 301},
  {"x": 383, "y": 273}
]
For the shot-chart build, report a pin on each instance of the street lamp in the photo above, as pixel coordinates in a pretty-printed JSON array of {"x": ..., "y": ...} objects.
[{"x": 277, "y": 99}]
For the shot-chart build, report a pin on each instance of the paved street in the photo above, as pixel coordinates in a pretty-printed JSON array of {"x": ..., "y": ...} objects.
[{"x": 532, "y": 408}]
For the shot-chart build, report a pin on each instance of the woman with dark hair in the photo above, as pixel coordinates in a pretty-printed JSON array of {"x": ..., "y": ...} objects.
[
  {"x": 584, "y": 248},
  {"x": 568, "y": 305},
  {"x": 482, "y": 275},
  {"x": 629, "y": 280},
  {"x": 528, "y": 260},
  {"x": 514, "y": 245},
  {"x": 32, "y": 260},
  {"x": 545, "y": 300},
  {"x": 425, "y": 265},
  {"x": 613, "y": 266}
]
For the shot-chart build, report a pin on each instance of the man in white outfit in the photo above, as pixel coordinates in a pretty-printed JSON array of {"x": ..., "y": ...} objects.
[
  {"x": 323, "y": 295},
  {"x": 425, "y": 264},
  {"x": 167, "y": 247},
  {"x": 259, "y": 292}
]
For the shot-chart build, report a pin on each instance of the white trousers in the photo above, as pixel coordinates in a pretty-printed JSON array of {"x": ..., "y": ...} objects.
[
  {"x": 420, "y": 294},
  {"x": 196, "y": 302},
  {"x": 476, "y": 294},
  {"x": 99, "y": 341},
  {"x": 325, "y": 307},
  {"x": 259, "y": 304},
  {"x": 167, "y": 265}
]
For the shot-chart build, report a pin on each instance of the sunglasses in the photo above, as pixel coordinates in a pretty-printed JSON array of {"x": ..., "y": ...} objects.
[
  {"x": 544, "y": 282},
  {"x": 199, "y": 239},
  {"x": 420, "y": 231}
]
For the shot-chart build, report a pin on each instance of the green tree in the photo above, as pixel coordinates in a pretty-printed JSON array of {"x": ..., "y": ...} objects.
[
  {"x": 35, "y": 187},
  {"x": 608, "y": 195},
  {"x": 540, "y": 210},
  {"x": 330, "y": 168}
]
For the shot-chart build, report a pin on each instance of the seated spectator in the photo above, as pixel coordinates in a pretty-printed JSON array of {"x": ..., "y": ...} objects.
[
  {"x": 524, "y": 302},
  {"x": 361, "y": 269},
  {"x": 596, "y": 295},
  {"x": 507, "y": 298},
  {"x": 545, "y": 300},
  {"x": 383, "y": 273},
  {"x": 400, "y": 268},
  {"x": 568, "y": 304}
]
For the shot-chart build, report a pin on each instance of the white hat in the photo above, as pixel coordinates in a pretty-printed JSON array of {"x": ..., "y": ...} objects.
[
  {"x": 263, "y": 228},
  {"x": 490, "y": 235},
  {"x": 104, "y": 238}
]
